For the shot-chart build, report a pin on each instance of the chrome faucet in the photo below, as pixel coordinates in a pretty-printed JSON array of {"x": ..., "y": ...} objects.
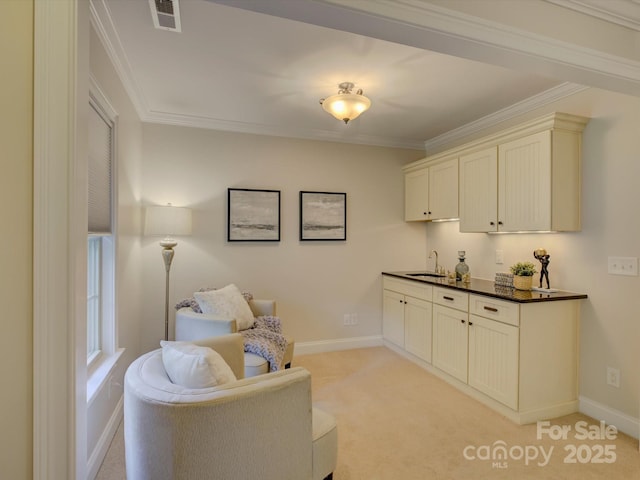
[{"x": 437, "y": 270}]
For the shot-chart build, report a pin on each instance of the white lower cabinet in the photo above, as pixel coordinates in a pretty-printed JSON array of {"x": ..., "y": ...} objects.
[
  {"x": 417, "y": 323},
  {"x": 518, "y": 358},
  {"x": 493, "y": 359},
  {"x": 450, "y": 332},
  {"x": 406, "y": 316},
  {"x": 450, "y": 346},
  {"x": 393, "y": 317},
  {"x": 481, "y": 352}
]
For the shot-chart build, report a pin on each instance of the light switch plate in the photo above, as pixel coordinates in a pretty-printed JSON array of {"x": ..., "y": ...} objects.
[
  {"x": 622, "y": 266},
  {"x": 499, "y": 257}
]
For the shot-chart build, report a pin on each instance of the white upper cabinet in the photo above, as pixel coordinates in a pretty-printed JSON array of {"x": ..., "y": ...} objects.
[
  {"x": 479, "y": 191},
  {"x": 524, "y": 179},
  {"x": 443, "y": 190},
  {"x": 431, "y": 191},
  {"x": 416, "y": 195},
  {"x": 524, "y": 184}
]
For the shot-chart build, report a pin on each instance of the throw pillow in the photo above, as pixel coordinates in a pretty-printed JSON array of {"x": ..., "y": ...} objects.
[
  {"x": 192, "y": 366},
  {"x": 227, "y": 302},
  {"x": 193, "y": 304}
]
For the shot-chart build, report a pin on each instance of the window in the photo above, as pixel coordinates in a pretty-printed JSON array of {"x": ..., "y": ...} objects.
[
  {"x": 94, "y": 303},
  {"x": 101, "y": 322}
]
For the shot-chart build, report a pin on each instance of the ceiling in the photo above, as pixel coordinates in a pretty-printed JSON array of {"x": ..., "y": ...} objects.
[{"x": 239, "y": 70}]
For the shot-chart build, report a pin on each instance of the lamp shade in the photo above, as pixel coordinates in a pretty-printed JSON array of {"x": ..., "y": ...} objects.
[
  {"x": 167, "y": 220},
  {"x": 346, "y": 105}
]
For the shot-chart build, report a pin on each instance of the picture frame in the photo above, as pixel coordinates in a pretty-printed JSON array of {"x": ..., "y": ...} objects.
[
  {"x": 253, "y": 215},
  {"x": 323, "y": 216}
]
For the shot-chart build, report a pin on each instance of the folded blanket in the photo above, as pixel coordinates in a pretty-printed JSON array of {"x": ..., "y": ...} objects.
[{"x": 266, "y": 340}]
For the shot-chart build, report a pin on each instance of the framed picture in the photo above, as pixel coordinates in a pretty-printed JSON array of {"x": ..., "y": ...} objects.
[
  {"x": 253, "y": 215},
  {"x": 323, "y": 216}
]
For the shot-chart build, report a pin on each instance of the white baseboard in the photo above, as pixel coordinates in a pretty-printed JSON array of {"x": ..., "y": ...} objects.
[
  {"x": 304, "y": 348},
  {"x": 623, "y": 422},
  {"x": 98, "y": 454}
]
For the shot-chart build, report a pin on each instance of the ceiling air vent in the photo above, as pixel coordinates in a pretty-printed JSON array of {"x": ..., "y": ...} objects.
[{"x": 166, "y": 14}]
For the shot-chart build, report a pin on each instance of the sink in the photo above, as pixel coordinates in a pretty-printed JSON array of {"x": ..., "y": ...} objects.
[{"x": 426, "y": 274}]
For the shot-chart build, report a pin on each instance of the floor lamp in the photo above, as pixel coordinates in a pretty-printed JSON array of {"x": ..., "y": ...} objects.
[{"x": 167, "y": 221}]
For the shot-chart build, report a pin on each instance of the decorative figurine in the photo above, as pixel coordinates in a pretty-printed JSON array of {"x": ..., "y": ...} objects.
[{"x": 542, "y": 255}]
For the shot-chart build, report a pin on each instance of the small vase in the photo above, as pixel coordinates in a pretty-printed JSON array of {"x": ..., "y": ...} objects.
[{"x": 521, "y": 282}]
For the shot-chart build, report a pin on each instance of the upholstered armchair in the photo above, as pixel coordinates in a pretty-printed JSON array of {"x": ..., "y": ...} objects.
[
  {"x": 191, "y": 325},
  {"x": 261, "y": 427}
]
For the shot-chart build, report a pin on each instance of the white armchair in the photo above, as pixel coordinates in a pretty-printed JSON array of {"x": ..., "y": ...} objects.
[
  {"x": 191, "y": 325},
  {"x": 261, "y": 427}
]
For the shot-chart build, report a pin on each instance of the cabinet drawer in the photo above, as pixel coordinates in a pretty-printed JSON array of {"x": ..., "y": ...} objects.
[
  {"x": 451, "y": 298},
  {"x": 406, "y": 287},
  {"x": 487, "y": 307}
]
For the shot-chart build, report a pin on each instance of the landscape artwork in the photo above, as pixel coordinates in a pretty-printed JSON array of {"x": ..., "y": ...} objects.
[
  {"x": 253, "y": 215},
  {"x": 323, "y": 216}
]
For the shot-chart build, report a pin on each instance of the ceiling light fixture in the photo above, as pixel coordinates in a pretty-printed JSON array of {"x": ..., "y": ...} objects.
[{"x": 346, "y": 105}]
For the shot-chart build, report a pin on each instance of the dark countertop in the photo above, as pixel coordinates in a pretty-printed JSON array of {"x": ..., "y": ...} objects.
[{"x": 490, "y": 289}]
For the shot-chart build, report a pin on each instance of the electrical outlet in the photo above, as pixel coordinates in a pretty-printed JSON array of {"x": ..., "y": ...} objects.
[
  {"x": 622, "y": 266},
  {"x": 613, "y": 377},
  {"x": 350, "y": 319}
]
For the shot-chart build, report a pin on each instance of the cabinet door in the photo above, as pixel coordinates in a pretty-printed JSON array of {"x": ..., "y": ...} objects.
[
  {"x": 417, "y": 322},
  {"x": 524, "y": 183},
  {"x": 493, "y": 359},
  {"x": 443, "y": 190},
  {"x": 479, "y": 191},
  {"x": 450, "y": 341},
  {"x": 393, "y": 317},
  {"x": 416, "y": 195}
]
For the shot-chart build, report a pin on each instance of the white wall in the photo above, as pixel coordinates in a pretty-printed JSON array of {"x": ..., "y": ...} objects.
[
  {"x": 103, "y": 410},
  {"x": 314, "y": 284},
  {"x": 16, "y": 263},
  {"x": 610, "y": 331}
]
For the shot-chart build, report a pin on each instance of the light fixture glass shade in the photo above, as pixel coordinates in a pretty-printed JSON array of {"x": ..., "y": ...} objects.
[
  {"x": 167, "y": 220},
  {"x": 345, "y": 105}
]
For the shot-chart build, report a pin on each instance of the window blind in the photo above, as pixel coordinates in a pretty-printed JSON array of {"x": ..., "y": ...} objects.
[{"x": 100, "y": 154}]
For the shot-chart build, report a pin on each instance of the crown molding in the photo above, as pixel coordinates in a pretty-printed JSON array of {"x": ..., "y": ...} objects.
[
  {"x": 477, "y": 126},
  {"x": 103, "y": 25},
  {"x": 625, "y": 14},
  {"x": 196, "y": 121}
]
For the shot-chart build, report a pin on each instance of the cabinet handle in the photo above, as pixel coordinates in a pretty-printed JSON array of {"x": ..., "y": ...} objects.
[
  {"x": 429, "y": 213},
  {"x": 499, "y": 223},
  {"x": 491, "y": 309},
  {"x": 462, "y": 321},
  {"x": 492, "y": 223},
  {"x": 401, "y": 301},
  {"x": 424, "y": 213},
  {"x": 470, "y": 323},
  {"x": 448, "y": 298},
  {"x": 405, "y": 302}
]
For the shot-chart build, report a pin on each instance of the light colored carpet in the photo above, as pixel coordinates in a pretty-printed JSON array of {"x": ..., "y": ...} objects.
[{"x": 397, "y": 421}]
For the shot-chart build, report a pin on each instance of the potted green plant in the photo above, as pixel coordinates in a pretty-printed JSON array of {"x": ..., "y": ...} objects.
[{"x": 523, "y": 275}]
